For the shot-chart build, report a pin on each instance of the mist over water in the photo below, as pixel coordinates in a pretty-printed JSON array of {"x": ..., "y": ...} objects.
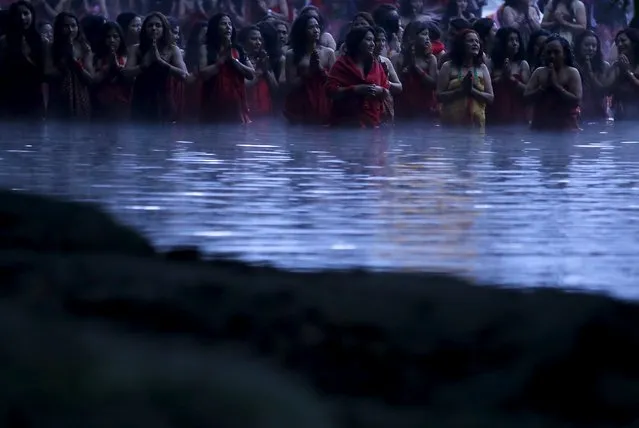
[{"x": 509, "y": 207}]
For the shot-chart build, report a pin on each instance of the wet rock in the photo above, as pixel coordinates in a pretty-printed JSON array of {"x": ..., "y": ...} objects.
[
  {"x": 43, "y": 224},
  {"x": 384, "y": 349}
]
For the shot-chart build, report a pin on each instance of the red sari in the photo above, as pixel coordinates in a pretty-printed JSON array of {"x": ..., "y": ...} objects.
[
  {"x": 417, "y": 99},
  {"x": 258, "y": 97},
  {"x": 354, "y": 109},
  {"x": 224, "y": 96},
  {"x": 509, "y": 106},
  {"x": 113, "y": 95},
  {"x": 552, "y": 113},
  {"x": 308, "y": 103}
]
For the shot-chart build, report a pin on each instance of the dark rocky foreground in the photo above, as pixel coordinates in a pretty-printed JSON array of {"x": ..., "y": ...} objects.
[{"x": 100, "y": 330}]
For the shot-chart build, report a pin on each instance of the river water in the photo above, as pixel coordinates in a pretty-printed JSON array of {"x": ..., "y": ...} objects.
[{"x": 510, "y": 207}]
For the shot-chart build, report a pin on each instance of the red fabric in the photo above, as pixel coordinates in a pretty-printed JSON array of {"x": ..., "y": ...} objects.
[
  {"x": 509, "y": 105},
  {"x": 258, "y": 97},
  {"x": 551, "y": 112},
  {"x": 192, "y": 99},
  {"x": 226, "y": 98},
  {"x": 113, "y": 97},
  {"x": 308, "y": 103},
  {"x": 417, "y": 99},
  {"x": 351, "y": 108},
  {"x": 437, "y": 47}
]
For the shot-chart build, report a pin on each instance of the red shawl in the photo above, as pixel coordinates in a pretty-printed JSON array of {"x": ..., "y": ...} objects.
[{"x": 351, "y": 108}]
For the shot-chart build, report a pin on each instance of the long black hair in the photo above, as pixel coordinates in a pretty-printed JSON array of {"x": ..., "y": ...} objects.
[
  {"x": 214, "y": 41},
  {"x": 458, "y": 50},
  {"x": 272, "y": 44},
  {"x": 15, "y": 31},
  {"x": 101, "y": 49},
  {"x": 500, "y": 50},
  {"x": 297, "y": 38},
  {"x": 410, "y": 34},
  {"x": 60, "y": 47},
  {"x": 353, "y": 41},
  {"x": 597, "y": 60},
  {"x": 633, "y": 35}
]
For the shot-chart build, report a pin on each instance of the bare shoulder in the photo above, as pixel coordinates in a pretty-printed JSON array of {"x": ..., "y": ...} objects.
[{"x": 573, "y": 72}]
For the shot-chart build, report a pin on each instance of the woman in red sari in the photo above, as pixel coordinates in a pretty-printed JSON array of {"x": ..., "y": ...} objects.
[
  {"x": 357, "y": 82},
  {"x": 260, "y": 90},
  {"x": 223, "y": 69},
  {"x": 510, "y": 73},
  {"x": 306, "y": 65},
  {"x": 417, "y": 69},
  {"x": 112, "y": 91},
  {"x": 70, "y": 70},
  {"x": 154, "y": 63},
  {"x": 555, "y": 90}
]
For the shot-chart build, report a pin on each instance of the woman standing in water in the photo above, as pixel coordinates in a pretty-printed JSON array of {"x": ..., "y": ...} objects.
[
  {"x": 521, "y": 15},
  {"x": 510, "y": 73},
  {"x": 624, "y": 76},
  {"x": 565, "y": 17},
  {"x": 306, "y": 65},
  {"x": 153, "y": 63},
  {"x": 395, "y": 84},
  {"x": 357, "y": 82},
  {"x": 417, "y": 68},
  {"x": 22, "y": 57},
  {"x": 555, "y": 90},
  {"x": 112, "y": 91},
  {"x": 259, "y": 90},
  {"x": 70, "y": 70},
  {"x": 593, "y": 69},
  {"x": 464, "y": 87},
  {"x": 224, "y": 68}
]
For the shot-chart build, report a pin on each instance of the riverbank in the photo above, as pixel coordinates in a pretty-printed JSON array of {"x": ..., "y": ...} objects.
[{"x": 104, "y": 327}]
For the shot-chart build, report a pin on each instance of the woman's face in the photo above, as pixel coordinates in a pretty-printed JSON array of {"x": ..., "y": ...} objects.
[
  {"x": 135, "y": 26},
  {"x": 176, "y": 33},
  {"x": 624, "y": 44},
  {"x": 554, "y": 54},
  {"x": 512, "y": 44},
  {"x": 254, "y": 42},
  {"x": 26, "y": 19},
  {"x": 225, "y": 28},
  {"x": 422, "y": 41},
  {"x": 539, "y": 45},
  {"x": 70, "y": 27},
  {"x": 313, "y": 29},
  {"x": 380, "y": 43},
  {"x": 112, "y": 40},
  {"x": 154, "y": 29},
  {"x": 472, "y": 44},
  {"x": 46, "y": 31},
  {"x": 462, "y": 5},
  {"x": 367, "y": 45},
  {"x": 282, "y": 34},
  {"x": 588, "y": 47},
  {"x": 417, "y": 6}
]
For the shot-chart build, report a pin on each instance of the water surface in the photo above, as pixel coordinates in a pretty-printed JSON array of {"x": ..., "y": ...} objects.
[{"x": 510, "y": 207}]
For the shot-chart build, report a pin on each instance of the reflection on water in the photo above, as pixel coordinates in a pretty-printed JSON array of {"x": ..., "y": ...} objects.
[{"x": 509, "y": 207}]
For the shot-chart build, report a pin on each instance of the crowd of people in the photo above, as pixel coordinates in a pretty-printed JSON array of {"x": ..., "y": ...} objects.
[{"x": 230, "y": 62}]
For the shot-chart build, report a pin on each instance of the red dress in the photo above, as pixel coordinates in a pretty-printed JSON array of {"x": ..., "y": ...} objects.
[
  {"x": 354, "y": 109},
  {"x": 417, "y": 99},
  {"x": 258, "y": 97},
  {"x": 113, "y": 95},
  {"x": 224, "y": 96},
  {"x": 552, "y": 113},
  {"x": 509, "y": 105},
  {"x": 308, "y": 103}
]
